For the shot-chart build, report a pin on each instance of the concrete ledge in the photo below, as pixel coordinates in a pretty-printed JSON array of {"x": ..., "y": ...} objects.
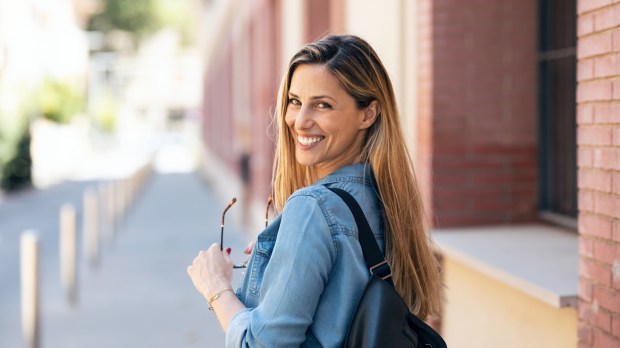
[{"x": 539, "y": 260}]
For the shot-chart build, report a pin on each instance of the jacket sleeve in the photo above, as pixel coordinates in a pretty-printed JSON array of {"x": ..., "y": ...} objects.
[{"x": 293, "y": 281}]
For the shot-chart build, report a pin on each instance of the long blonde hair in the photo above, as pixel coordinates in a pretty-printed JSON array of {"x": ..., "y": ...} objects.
[{"x": 408, "y": 249}]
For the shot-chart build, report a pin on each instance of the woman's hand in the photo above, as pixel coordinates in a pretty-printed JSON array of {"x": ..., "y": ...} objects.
[{"x": 211, "y": 271}]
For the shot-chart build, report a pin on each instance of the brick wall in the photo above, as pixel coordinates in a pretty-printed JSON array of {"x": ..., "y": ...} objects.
[
  {"x": 482, "y": 114},
  {"x": 222, "y": 129},
  {"x": 424, "y": 109},
  {"x": 598, "y": 140},
  {"x": 265, "y": 74},
  {"x": 318, "y": 21}
]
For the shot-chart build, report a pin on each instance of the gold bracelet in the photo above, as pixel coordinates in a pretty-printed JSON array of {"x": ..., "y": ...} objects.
[{"x": 218, "y": 295}]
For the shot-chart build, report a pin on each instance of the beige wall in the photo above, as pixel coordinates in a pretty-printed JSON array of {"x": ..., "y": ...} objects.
[
  {"x": 481, "y": 312},
  {"x": 389, "y": 27},
  {"x": 292, "y": 29}
]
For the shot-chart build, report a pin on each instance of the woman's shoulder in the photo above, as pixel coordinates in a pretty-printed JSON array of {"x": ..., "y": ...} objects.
[{"x": 317, "y": 196}]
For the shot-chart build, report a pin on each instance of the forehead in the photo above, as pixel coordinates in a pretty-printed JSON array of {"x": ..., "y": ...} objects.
[{"x": 311, "y": 80}]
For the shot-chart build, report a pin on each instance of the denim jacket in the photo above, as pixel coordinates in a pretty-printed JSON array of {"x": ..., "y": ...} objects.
[{"x": 307, "y": 272}]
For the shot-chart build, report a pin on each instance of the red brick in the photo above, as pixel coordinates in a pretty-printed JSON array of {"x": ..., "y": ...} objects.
[
  {"x": 607, "y": 65},
  {"x": 585, "y": 291},
  {"x": 585, "y": 113},
  {"x": 585, "y": 333},
  {"x": 594, "y": 179},
  {"x": 594, "y": 135},
  {"x": 604, "y": 340},
  {"x": 589, "y": 5},
  {"x": 616, "y": 232},
  {"x": 606, "y": 18},
  {"x": 595, "y": 271},
  {"x": 595, "y": 44},
  {"x": 615, "y": 326},
  {"x": 585, "y": 200},
  {"x": 606, "y": 252},
  {"x": 616, "y": 40},
  {"x": 615, "y": 274},
  {"x": 602, "y": 320},
  {"x": 608, "y": 299},
  {"x": 616, "y": 140},
  {"x": 585, "y": 309},
  {"x": 616, "y": 183},
  {"x": 606, "y": 158},
  {"x": 585, "y": 69},
  {"x": 585, "y": 157},
  {"x": 586, "y": 246},
  {"x": 593, "y": 225},
  {"x": 606, "y": 204},
  {"x": 607, "y": 112},
  {"x": 597, "y": 90},
  {"x": 585, "y": 24},
  {"x": 616, "y": 90}
]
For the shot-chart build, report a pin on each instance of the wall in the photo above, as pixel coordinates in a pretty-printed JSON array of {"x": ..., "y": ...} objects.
[
  {"x": 486, "y": 313},
  {"x": 598, "y": 141},
  {"x": 478, "y": 110}
]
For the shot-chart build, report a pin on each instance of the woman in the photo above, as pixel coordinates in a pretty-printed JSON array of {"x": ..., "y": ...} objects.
[{"x": 338, "y": 127}]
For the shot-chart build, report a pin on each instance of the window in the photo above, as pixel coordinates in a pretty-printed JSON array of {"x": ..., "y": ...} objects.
[{"x": 557, "y": 81}]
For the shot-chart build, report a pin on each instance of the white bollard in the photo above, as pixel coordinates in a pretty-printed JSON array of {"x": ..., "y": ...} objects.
[
  {"x": 102, "y": 205},
  {"x": 110, "y": 213},
  {"x": 68, "y": 252},
  {"x": 90, "y": 228},
  {"x": 29, "y": 282}
]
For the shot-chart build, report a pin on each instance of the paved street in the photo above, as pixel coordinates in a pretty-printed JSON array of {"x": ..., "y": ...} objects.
[{"x": 140, "y": 296}]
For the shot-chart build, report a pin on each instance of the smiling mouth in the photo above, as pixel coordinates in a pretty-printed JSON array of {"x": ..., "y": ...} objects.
[{"x": 309, "y": 141}]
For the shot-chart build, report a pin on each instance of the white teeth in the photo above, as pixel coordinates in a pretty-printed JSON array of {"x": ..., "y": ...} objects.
[{"x": 308, "y": 141}]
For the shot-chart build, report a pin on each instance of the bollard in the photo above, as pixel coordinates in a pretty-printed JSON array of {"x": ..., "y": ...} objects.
[
  {"x": 90, "y": 229},
  {"x": 109, "y": 215},
  {"x": 122, "y": 203},
  {"x": 129, "y": 192},
  {"x": 105, "y": 211},
  {"x": 29, "y": 282},
  {"x": 102, "y": 211},
  {"x": 68, "y": 252}
]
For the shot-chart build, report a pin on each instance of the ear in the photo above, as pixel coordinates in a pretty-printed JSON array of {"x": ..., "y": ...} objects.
[{"x": 370, "y": 115}]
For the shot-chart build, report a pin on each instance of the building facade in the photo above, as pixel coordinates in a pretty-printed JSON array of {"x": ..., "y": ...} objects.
[{"x": 511, "y": 112}]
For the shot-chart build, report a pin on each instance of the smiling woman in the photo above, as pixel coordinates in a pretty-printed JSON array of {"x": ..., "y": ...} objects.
[
  {"x": 325, "y": 120},
  {"x": 338, "y": 128}
]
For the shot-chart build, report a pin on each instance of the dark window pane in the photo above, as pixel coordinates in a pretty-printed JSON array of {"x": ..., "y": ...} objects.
[{"x": 558, "y": 143}]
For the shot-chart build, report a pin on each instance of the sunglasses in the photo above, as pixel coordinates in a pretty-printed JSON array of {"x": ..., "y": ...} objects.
[{"x": 232, "y": 202}]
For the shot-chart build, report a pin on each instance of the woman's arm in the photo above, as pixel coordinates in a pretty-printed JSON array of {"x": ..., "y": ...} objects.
[{"x": 211, "y": 273}]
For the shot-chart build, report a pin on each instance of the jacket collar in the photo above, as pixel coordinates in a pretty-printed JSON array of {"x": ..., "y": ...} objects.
[{"x": 360, "y": 172}]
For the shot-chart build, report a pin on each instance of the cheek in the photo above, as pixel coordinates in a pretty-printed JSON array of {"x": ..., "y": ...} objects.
[{"x": 289, "y": 119}]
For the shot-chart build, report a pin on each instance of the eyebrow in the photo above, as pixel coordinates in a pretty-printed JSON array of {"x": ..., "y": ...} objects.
[{"x": 315, "y": 97}]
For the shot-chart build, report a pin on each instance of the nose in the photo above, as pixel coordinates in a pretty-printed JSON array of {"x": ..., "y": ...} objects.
[{"x": 303, "y": 120}]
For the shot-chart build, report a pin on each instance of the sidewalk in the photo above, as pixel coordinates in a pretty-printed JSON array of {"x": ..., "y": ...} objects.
[{"x": 141, "y": 295}]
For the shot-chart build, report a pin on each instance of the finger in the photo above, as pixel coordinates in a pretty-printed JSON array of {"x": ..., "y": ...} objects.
[{"x": 248, "y": 249}]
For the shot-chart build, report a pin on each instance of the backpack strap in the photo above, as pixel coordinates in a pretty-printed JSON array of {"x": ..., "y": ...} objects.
[{"x": 375, "y": 261}]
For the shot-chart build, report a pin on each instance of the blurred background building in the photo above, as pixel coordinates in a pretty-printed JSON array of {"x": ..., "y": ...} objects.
[{"x": 511, "y": 111}]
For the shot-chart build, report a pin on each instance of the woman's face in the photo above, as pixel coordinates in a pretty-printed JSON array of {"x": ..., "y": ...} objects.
[{"x": 326, "y": 125}]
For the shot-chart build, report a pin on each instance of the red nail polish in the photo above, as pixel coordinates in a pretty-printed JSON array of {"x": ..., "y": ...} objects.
[{"x": 228, "y": 250}]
